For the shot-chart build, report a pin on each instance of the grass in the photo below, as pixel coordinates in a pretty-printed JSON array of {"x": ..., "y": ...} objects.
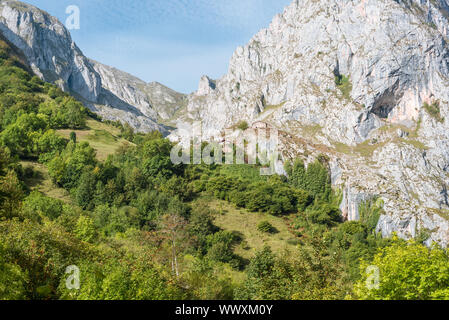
[
  {"x": 434, "y": 111},
  {"x": 417, "y": 144},
  {"x": 311, "y": 130},
  {"x": 443, "y": 213},
  {"x": 102, "y": 137},
  {"x": 243, "y": 171},
  {"x": 41, "y": 182},
  {"x": 344, "y": 84},
  {"x": 245, "y": 224},
  {"x": 273, "y": 107},
  {"x": 367, "y": 148},
  {"x": 242, "y": 125},
  {"x": 343, "y": 148}
]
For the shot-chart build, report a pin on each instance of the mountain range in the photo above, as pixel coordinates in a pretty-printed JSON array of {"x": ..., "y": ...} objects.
[{"x": 365, "y": 83}]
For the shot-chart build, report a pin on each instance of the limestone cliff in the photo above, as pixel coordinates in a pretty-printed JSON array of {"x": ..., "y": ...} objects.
[
  {"x": 365, "y": 82},
  {"x": 54, "y": 57}
]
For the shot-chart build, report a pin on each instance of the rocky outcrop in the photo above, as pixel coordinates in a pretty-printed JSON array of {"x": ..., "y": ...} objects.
[
  {"x": 154, "y": 100},
  {"x": 54, "y": 57},
  {"x": 59, "y": 60},
  {"x": 365, "y": 82}
]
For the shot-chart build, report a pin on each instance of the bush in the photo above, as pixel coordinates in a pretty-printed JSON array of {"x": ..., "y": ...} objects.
[
  {"x": 265, "y": 227},
  {"x": 315, "y": 179},
  {"x": 85, "y": 229},
  {"x": 324, "y": 214},
  {"x": 344, "y": 84},
  {"x": 242, "y": 125},
  {"x": 22, "y": 136},
  {"x": 434, "y": 110},
  {"x": 303, "y": 199},
  {"x": 407, "y": 271},
  {"x": 37, "y": 205},
  {"x": 221, "y": 247},
  {"x": 67, "y": 168},
  {"x": 370, "y": 212}
]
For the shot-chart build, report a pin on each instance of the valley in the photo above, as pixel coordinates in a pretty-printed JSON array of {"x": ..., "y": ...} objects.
[{"x": 357, "y": 93}]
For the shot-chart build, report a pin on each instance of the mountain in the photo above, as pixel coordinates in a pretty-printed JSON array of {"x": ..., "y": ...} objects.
[
  {"x": 365, "y": 83},
  {"x": 54, "y": 57}
]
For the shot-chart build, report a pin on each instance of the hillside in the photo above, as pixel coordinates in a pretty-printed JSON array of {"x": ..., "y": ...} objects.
[
  {"x": 83, "y": 193},
  {"x": 54, "y": 57},
  {"x": 112, "y": 204},
  {"x": 364, "y": 82}
]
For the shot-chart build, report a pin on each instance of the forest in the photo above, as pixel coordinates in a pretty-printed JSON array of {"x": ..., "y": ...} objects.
[{"x": 139, "y": 227}]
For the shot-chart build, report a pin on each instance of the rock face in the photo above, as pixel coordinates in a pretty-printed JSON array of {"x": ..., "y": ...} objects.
[
  {"x": 61, "y": 61},
  {"x": 54, "y": 57},
  {"x": 365, "y": 82},
  {"x": 129, "y": 98}
]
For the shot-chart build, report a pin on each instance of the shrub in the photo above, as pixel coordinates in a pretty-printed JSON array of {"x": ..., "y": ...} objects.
[
  {"x": 370, "y": 212},
  {"x": 37, "y": 205},
  {"x": 67, "y": 168},
  {"x": 303, "y": 199},
  {"x": 324, "y": 214},
  {"x": 221, "y": 246},
  {"x": 73, "y": 136},
  {"x": 315, "y": 179},
  {"x": 407, "y": 271},
  {"x": 434, "y": 111},
  {"x": 85, "y": 229},
  {"x": 265, "y": 227},
  {"x": 344, "y": 84},
  {"x": 242, "y": 125}
]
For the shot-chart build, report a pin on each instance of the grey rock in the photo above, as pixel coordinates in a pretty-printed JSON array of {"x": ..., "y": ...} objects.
[
  {"x": 54, "y": 57},
  {"x": 350, "y": 79}
]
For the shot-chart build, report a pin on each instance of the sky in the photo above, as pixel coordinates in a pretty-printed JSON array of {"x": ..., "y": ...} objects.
[{"x": 173, "y": 42}]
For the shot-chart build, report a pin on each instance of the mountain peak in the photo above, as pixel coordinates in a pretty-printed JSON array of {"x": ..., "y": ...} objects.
[
  {"x": 54, "y": 57},
  {"x": 363, "y": 81}
]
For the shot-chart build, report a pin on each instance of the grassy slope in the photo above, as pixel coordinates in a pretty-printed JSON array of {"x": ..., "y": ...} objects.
[
  {"x": 102, "y": 137},
  {"x": 42, "y": 182},
  {"x": 245, "y": 224}
]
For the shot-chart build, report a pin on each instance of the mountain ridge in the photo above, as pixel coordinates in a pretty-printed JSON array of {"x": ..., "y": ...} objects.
[
  {"x": 365, "y": 79},
  {"x": 363, "y": 82},
  {"x": 54, "y": 57}
]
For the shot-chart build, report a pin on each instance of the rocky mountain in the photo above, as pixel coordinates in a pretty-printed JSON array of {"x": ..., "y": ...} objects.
[
  {"x": 54, "y": 57},
  {"x": 365, "y": 82}
]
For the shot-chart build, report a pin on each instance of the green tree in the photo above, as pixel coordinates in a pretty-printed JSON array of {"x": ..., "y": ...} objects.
[
  {"x": 50, "y": 145},
  {"x": 317, "y": 179},
  {"x": 265, "y": 226},
  {"x": 85, "y": 192},
  {"x": 37, "y": 205},
  {"x": 85, "y": 229},
  {"x": 221, "y": 247},
  {"x": 12, "y": 280},
  {"x": 298, "y": 175},
  {"x": 407, "y": 271},
  {"x": 73, "y": 136},
  {"x": 67, "y": 168},
  {"x": 21, "y": 137},
  {"x": 11, "y": 194}
]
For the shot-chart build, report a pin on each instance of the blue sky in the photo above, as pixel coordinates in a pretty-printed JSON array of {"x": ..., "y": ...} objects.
[{"x": 174, "y": 42}]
